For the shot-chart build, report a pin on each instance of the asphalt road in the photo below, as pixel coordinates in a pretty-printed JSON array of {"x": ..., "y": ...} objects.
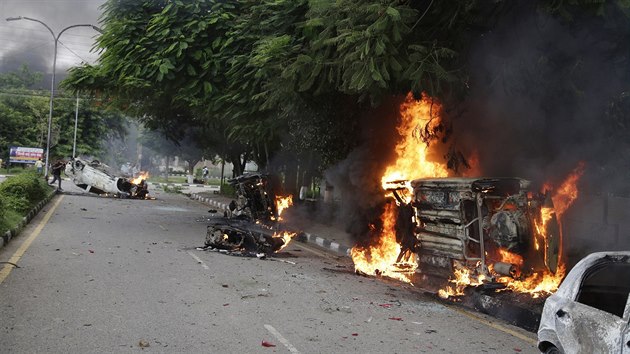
[{"x": 111, "y": 275}]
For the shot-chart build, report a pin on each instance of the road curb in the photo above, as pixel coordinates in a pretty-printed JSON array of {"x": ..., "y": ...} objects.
[
  {"x": 304, "y": 237},
  {"x": 161, "y": 184},
  {"x": 14, "y": 232}
]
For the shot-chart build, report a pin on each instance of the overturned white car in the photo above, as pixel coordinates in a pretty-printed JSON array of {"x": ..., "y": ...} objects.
[
  {"x": 94, "y": 177},
  {"x": 590, "y": 311}
]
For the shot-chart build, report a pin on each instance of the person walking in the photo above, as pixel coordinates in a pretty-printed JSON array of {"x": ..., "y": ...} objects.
[
  {"x": 39, "y": 165},
  {"x": 56, "y": 171},
  {"x": 205, "y": 174}
]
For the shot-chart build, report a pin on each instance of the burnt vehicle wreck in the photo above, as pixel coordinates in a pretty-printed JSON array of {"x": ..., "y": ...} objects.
[
  {"x": 492, "y": 227},
  {"x": 251, "y": 227},
  {"x": 256, "y": 195},
  {"x": 94, "y": 177},
  {"x": 242, "y": 236}
]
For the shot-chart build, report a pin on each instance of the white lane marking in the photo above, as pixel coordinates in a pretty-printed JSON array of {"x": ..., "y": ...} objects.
[
  {"x": 281, "y": 339},
  {"x": 198, "y": 260}
]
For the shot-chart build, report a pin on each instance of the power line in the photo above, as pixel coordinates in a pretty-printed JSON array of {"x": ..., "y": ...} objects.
[{"x": 71, "y": 51}]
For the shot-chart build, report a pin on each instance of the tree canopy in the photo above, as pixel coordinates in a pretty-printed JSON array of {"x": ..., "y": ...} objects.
[{"x": 297, "y": 76}]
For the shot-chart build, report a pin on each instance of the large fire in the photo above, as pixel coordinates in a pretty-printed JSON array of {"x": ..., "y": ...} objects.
[
  {"x": 412, "y": 152},
  {"x": 381, "y": 259},
  {"x": 539, "y": 283},
  {"x": 562, "y": 197},
  {"x": 420, "y": 120},
  {"x": 412, "y": 161}
]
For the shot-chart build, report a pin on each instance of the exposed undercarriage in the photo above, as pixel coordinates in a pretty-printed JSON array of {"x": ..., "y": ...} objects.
[{"x": 473, "y": 223}]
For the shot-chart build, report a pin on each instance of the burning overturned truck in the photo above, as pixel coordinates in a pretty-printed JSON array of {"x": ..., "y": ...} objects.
[{"x": 489, "y": 227}]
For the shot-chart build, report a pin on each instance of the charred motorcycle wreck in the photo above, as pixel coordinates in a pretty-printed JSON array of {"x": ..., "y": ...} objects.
[
  {"x": 252, "y": 226},
  {"x": 94, "y": 177},
  {"x": 492, "y": 228}
]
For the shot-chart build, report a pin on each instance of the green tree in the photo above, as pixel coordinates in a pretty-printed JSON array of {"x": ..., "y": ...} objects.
[
  {"x": 24, "y": 116},
  {"x": 280, "y": 76}
]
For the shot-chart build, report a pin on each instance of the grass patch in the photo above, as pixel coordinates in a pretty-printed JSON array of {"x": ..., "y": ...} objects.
[
  {"x": 172, "y": 189},
  {"x": 171, "y": 179}
]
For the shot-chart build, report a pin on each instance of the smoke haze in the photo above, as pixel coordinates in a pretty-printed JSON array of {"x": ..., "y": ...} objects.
[{"x": 540, "y": 103}]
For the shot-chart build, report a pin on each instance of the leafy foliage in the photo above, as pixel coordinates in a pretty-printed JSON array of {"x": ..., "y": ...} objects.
[
  {"x": 259, "y": 79},
  {"x": 25, "y": 115}
]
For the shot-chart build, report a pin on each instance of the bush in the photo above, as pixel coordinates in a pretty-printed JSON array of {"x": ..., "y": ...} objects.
[
  {"x": 23, "y": 192},
  {"x": 19, "y": 204},
  {"x": 3, "y": 207}
]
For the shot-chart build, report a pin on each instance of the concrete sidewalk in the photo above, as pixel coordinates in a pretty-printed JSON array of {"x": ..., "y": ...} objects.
[{"x": 324, "y": 236}]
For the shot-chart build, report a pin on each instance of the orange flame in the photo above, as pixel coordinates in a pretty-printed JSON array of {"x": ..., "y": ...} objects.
[
  {"x": 142, "y": 176},
  {"x": 283, "y": 203},
  {"x": 539, "y": 283},
  {"x": 286, "y": 238},
  {"x": 412, "y": 161},
  {"x": 563, "y": 197},
  {"x": 380, "y": 259},
  {"x": 509, "y": 257},
  {"x": 462, "y": 278},
  {"x": 567, "y": 193},
  {"x": 412, "y": 152}
]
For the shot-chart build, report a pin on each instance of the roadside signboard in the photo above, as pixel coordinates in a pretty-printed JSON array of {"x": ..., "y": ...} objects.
[{"x": 19, "y": 154}]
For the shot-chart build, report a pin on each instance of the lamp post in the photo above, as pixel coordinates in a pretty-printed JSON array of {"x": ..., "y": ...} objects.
[
  {"x": 76, "y": 122},
  {"x": 52, "y": 86}
]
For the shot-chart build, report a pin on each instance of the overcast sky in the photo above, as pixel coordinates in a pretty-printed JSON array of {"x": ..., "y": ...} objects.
[{"x": 31, "y": 43}]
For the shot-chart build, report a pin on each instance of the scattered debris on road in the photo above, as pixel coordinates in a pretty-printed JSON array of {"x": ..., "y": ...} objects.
[
  {"x": 143, "y": 343},
  {"x": 267, "y": 344}
]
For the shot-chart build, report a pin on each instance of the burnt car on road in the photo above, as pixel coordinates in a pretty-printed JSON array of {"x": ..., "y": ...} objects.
[
  {"x": 252, "y": 226},
  {"x": 94, "y": 177},
  {"x": 590, "y": 311}
]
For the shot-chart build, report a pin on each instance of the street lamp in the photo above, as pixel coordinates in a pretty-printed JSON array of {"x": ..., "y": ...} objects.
[
  {"x": 52, "y": 87},
  {"x": 76, "y": 122}
]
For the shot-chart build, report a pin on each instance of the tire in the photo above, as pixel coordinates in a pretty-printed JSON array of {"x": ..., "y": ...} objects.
[{"x": 552, "y": 350}]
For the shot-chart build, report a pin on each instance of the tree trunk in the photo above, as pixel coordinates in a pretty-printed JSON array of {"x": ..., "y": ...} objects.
[
  {"x": 290, "y": 180},
  {"x": 167, "y": 166},
  {"x": 191, "y": 166},
  {"x": 237, "y": 169}
]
